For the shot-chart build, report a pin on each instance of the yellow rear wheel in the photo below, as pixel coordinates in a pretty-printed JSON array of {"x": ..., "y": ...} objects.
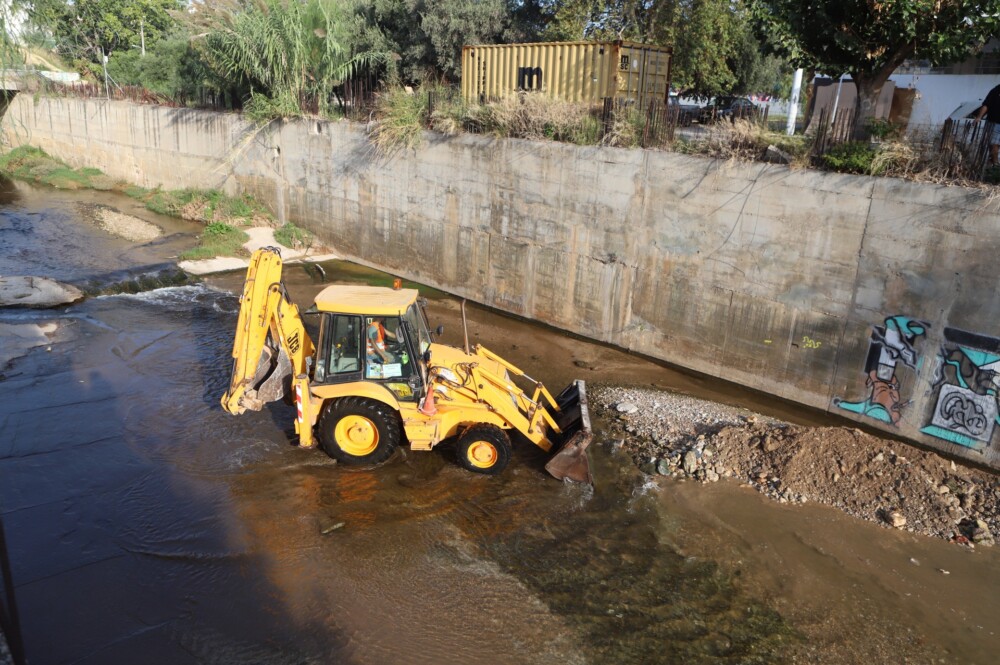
[
  {"x": 355, "y": 430},
  {"x": 484, "y": 449}
]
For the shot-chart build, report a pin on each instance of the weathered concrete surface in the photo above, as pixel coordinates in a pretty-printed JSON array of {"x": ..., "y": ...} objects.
[
  {"x": 872, "y": 298},
  {"x": 36, "y": 292}
]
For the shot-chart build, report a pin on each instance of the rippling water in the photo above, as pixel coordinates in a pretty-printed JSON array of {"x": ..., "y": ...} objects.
[{"x": 146, "y": 525}]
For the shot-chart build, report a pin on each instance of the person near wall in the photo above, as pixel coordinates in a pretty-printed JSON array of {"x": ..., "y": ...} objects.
[{"x": 991, "y": 109}]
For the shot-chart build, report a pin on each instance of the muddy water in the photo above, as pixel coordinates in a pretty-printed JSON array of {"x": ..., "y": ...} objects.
[{"x": 146, "y": 525}]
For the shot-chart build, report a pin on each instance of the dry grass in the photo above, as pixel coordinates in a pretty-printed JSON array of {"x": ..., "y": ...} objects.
[
  {"x": 746, "y": 141},
  {"x": 537, "y": 117}
]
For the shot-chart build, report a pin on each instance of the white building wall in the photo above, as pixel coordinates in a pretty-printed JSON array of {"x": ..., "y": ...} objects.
[{"x": 938, "y": 95}]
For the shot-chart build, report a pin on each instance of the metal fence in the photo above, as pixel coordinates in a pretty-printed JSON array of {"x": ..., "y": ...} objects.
[
  {"x": 964, "y": 147},
  {"x": 832, "y": 132},
  {"x": 957, "y": 150},
  {"x": 130, "y": 93}
]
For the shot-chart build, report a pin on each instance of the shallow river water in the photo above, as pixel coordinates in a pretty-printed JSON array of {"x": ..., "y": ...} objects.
[{"x": 144, "y": 524}]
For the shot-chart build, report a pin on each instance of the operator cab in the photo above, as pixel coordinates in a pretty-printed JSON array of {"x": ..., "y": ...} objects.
[{"x": 372, "y": 334}]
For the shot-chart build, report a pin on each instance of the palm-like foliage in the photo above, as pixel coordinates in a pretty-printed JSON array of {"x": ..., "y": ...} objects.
[{"x": 294, "y": 52}]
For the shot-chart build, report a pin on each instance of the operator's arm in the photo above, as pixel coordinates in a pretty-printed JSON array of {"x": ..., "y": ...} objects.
[
  {"x": 373, "y": 339},
  {"x": 981, "y": 112}
]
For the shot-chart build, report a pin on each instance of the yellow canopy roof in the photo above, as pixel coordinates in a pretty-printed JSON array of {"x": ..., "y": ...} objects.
[{"x": 365, "y": 300}]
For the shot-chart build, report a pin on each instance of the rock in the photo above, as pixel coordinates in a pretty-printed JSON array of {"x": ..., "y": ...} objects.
[
  {"x": 915, "y": 562},
  {"x": 690, "y": 463},
  {"x": 663, "y": 467},
  {"x": 944, "y": 572},
  {"x": 771, "y": 443},
  {"x": 880, "y": 457},
  {"x": 626, "y": 407},
  {"x": 943, "y": 489},
  {"x": 836, "y": 477},
  {"x": 36, "y": 292},
  {"x": 711, "y": 476},
  {"x": 981, "y": 534},
  {"x": 776, "y": 155},
  {"x": 896, "y": 519},
  {"x": 332, "y": 528}
]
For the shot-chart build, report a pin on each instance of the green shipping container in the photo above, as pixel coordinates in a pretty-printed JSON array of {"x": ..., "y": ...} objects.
[{"x": 573, "y": 71}]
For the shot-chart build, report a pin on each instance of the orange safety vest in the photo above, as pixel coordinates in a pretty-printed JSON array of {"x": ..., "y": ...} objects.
[{"x": 379, "y": 343}]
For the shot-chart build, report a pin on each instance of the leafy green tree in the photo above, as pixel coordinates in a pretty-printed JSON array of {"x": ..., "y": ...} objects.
[
  {"x": 428, "y": 35},
  {"x": 171, "y": 67},
  {"x": 869, "y": 39},
  {"x": 86, "y": 29},
  {"x": 714, "y": 49}
]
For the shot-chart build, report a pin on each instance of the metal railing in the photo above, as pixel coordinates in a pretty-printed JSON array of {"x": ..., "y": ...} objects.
[
  {"x": 964, "y": 147},
  {"x": 833, "y": 131}
]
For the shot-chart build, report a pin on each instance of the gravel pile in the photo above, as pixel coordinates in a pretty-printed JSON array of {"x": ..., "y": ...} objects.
[{"x": 882, "y": 481}]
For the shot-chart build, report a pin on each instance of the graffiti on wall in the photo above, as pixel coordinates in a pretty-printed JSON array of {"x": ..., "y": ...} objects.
[
  {"x": 891, "y": 346},
  {"x": 965, "y": 389}
]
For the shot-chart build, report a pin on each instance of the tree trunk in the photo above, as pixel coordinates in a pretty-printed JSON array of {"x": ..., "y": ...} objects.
[{"x": 869, "y": 89}]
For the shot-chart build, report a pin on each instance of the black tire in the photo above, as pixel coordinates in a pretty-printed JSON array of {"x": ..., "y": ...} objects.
[
  {"x": 484, "y": 449},
  {"x": 376, "y": 425}
]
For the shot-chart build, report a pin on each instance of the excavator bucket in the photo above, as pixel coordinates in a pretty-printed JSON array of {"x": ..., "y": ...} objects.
[
  {"x": 570, "y": 461},
  {"x": 271, "y": 380}
]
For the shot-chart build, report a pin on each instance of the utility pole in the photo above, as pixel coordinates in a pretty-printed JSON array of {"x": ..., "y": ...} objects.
[
  {"x": 793, "y": 107},
  {"x": 142, "y": 34},
  {"x": 104, "y": 63}
]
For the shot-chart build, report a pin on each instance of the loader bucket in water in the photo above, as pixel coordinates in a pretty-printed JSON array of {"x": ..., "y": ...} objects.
[
  {"x": 570, "y": 461},
  {"x": 271, "y": 380}
]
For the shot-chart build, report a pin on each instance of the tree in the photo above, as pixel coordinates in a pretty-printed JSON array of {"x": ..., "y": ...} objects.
[
  {"x": 869, "y": 39},
  {"x": 290, "y": 52},
  {"x": 428, "y": 35},
  {"x": 88, "y": 29},
  {"x": 714, "y": 51}
]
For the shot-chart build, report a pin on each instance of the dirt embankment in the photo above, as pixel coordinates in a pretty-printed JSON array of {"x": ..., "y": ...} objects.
[{"x": 882, "y": 481}]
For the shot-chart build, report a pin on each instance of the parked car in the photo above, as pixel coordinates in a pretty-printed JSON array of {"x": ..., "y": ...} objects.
[
  {"x": 729, "y": 108},
  {"x": 687, "y": 113}
]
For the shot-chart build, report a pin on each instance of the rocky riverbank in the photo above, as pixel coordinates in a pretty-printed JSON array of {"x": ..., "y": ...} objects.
[{"x": 879, "y": 480}]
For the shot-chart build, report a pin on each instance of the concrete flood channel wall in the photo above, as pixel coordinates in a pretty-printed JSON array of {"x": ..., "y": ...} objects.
[{"x": 872, "y": 298}]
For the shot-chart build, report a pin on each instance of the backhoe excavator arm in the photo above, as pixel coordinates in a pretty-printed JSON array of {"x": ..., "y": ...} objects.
[{"x": 271, "y": 349}]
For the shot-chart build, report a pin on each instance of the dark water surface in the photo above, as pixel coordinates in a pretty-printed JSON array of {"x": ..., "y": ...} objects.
[{"x": 147, "y": 525}]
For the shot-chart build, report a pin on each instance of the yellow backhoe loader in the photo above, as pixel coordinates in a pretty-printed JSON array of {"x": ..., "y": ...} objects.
[{"x": 374, "y": 378}]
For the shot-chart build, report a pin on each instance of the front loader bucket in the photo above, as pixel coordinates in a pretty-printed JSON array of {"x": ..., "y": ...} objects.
[{"x": 570, "y": 461}]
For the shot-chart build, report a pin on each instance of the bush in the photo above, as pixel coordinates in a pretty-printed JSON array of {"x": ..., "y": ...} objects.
[
  {"x": 292, "y": 236},
  {"x": 401, "y": 118},
  {"x": 884, "y": 130},
  {"x": 218, "y": 239},
  {"x": 851, "y": 157}
]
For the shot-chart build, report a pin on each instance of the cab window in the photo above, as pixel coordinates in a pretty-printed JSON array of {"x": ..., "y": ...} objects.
[
  {"x": 343, "y": 347},
  {"x": 389, "y": 359},
  {"x": 418, "y": 325}
]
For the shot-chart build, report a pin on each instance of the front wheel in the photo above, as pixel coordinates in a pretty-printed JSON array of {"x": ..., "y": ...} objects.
[
  {"x": 355, "y": 430},
  {"x": 484, "y": 449}
]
